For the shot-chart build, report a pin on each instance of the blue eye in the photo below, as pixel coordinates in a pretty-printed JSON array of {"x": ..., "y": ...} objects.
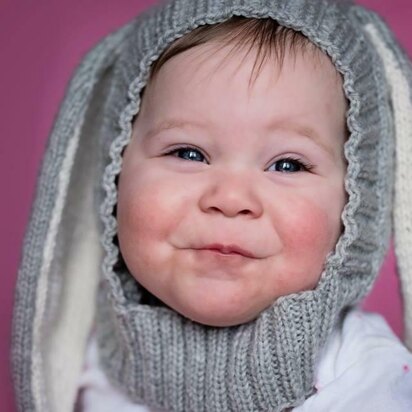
[
  {"x": 187, "y": 153},
  {"x": 291, "y": 165}
]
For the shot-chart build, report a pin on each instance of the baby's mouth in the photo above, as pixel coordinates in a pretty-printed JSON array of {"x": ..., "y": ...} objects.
[{"x": 229, "y": 250}]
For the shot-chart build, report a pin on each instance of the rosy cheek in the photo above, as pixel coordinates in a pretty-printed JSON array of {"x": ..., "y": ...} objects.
[
  {"x": 148, "y": 205},
  {"x": 139, "y": 216},
  {"x": 309, "y": 232}
]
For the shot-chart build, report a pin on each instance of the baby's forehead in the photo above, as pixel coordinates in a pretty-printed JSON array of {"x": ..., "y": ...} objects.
[
  {"x": 202, "y": 64},
  {"x": 206, "y": 91},
  {"x": 280, "y": 55},
  {"x": 216, "y": 71}
]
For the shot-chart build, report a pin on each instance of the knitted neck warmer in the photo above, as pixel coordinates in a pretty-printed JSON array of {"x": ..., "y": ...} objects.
[{"x": 162, "y": 359}]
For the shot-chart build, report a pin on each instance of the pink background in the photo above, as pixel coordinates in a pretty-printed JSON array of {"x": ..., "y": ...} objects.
[{"x": 40, "y": 44}]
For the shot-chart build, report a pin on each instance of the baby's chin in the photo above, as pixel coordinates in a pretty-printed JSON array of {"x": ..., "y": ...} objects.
[
  {"x": 218, "y": 314},
  {"x": 223, "y": 305}
]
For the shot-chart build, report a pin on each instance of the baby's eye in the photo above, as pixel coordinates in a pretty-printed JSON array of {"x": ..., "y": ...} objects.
[
  {"x": 187, "y": 153},
  {"x": 290, "y": 165}
]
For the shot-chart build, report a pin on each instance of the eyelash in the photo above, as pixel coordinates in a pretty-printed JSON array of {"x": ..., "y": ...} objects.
[{"x": 305, "y": 166}]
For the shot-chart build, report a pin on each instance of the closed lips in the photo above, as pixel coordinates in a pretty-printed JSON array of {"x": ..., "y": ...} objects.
[{"x": 229, "y": 249}]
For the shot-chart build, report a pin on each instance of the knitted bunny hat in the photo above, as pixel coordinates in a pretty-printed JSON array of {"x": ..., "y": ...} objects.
[{"x": 155, "y": 355}]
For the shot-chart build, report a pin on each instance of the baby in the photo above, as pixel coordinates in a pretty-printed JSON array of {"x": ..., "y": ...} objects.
[
  {"x": 231, "y": 190},
  {"x": 244, "y": 153}
]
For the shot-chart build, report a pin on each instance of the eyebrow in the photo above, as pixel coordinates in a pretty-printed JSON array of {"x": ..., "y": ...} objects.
[
  {"x": 169, "y": 124},
  {"x": 301, "y": 129}
]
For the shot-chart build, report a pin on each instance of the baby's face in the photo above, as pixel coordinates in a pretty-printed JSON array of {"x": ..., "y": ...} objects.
[{"x": 231, "y": 197}]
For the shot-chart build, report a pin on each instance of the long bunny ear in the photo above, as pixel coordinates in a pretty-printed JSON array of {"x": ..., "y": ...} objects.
[
  {"x": 398, "y": 72},
  {"x": 61, "y": 257}
]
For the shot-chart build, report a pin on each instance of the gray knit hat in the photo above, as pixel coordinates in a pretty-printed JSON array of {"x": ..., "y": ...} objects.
[{"x": 153, "y": 354}]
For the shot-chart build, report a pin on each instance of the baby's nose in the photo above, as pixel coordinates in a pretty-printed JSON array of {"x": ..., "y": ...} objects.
[{"x": 232, "y": 194}]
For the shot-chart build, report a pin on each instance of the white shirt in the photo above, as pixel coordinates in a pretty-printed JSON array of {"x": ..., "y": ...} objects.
[{"x": 363, "y": 367}]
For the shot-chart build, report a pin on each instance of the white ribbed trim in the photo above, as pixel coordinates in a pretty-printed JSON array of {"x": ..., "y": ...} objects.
[
  {"x": 39, "y": 389},
  {"x": 402, "y": 106}
]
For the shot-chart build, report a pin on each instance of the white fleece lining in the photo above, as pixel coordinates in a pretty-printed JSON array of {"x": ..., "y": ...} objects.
[
  {"x": 77, "y": 307},
  {"x": 63, "y": 362},
  {"x": 401, "y": 98},
  {"x": 39, "y": 388}
]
